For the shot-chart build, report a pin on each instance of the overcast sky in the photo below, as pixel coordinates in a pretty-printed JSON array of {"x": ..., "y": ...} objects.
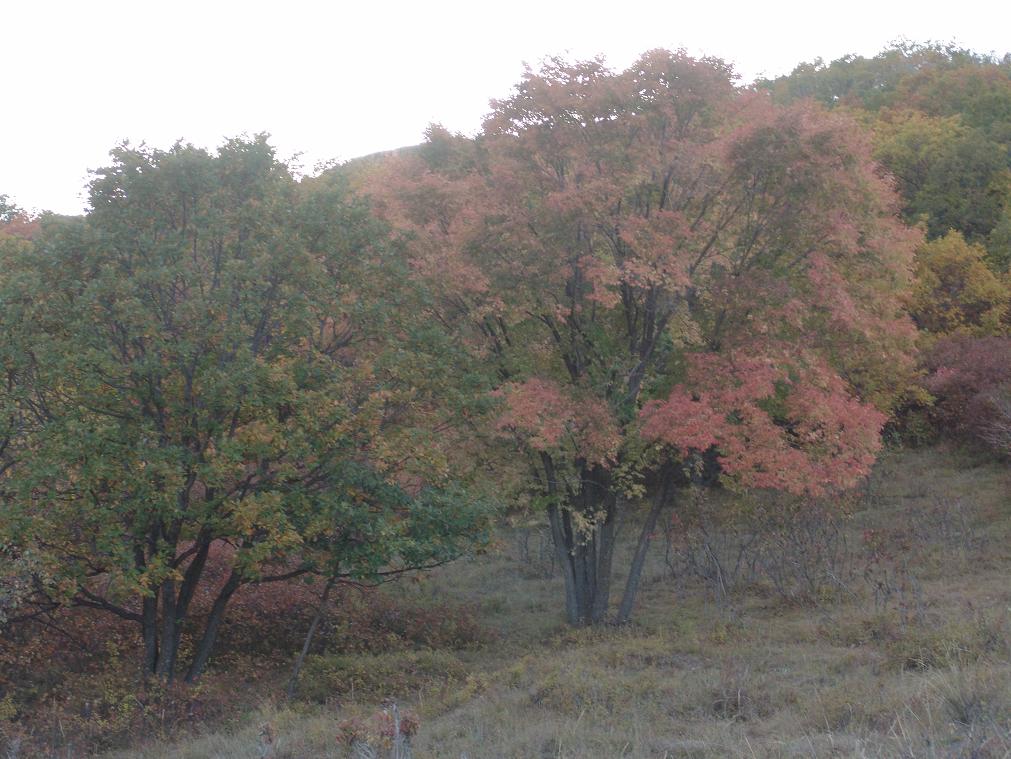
[{"x": 341, "y": 79}]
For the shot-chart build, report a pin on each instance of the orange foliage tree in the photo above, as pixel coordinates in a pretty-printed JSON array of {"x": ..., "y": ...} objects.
[{"x": 671, "y": 278}]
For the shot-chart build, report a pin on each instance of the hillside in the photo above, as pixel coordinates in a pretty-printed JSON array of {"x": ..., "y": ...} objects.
[{"x": 908, "y": 655}]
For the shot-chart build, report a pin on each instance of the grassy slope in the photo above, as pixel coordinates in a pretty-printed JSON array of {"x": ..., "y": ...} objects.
[{"x": 923, "y": 672}]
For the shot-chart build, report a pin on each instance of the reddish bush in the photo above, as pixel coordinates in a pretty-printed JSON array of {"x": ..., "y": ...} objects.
[{"x": 969, "y": 377}]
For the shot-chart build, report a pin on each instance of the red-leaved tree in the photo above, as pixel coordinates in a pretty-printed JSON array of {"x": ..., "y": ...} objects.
[{"x": 671, "y": 278}]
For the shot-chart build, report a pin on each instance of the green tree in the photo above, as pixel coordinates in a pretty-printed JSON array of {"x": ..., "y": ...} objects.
[
  {"x": 998, "y": 244},
  {"x": 978, "y": 92},
  {"x": 950, "y": 175},
  {"x": 887, "y": 79},
  {"x": 9, "y": 210},
  {"x": 213, "y": 360}
]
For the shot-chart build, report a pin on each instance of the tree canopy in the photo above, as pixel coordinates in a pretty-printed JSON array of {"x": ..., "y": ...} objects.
[
  {"x": 668, "y": 273},
  {"x": 214, "y": 356}
]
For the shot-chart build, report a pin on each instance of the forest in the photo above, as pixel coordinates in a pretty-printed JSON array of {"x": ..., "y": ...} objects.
[{"x": 666, "y": 416}]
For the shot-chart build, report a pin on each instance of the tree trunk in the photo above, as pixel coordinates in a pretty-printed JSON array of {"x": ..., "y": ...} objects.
[
  {"x": 641, "y": 549},
  {"x": 606, "y": 534},
  {"x": 576, "y": 555},
  {"x": 565, "y": 562},
  {"x": 206, "y": 644},
  {"x": 169, "y": 632},
  {"x": 310, "y": 634},
  {"x": 192, "y": 576},
  {"x": 149, "y": 624},
  {"x": 585, "y": 559}
]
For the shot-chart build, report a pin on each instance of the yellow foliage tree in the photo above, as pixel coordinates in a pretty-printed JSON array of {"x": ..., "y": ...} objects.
[{"x": 956, "y": 292}]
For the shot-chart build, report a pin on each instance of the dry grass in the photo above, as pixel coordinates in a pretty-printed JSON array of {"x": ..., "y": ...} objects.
[{"x": 921, "y": 671}]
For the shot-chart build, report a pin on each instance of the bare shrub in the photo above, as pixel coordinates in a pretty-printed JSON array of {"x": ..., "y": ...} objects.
[
  {"x": 948, "y": 523},
  {"x": 805, "y": 554},
  {"x": 535, "y": 551},
  {"x": 889, "y": 581},
  {"x": 708, "y": 543},
  {"x": 797, "y": 550},
  {"x": 997, "y": 431}
]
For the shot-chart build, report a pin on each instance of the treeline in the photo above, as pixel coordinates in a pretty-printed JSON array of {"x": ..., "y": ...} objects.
[{"x": 222, "y": 377}]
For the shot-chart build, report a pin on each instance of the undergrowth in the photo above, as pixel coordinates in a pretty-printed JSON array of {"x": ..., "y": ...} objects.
[{"x": 889, "y": 638}]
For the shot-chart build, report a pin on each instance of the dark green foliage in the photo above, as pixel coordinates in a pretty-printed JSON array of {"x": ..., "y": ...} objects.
[{"x": 217, "y": 355}]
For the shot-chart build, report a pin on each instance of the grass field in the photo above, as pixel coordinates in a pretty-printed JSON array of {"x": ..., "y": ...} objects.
[{"x": 900, "y": 646}]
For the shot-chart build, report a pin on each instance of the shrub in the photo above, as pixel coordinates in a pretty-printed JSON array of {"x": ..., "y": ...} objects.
[
  {"x": 385, "y": 733},
  {"x": 796, "y": 549},
  {"x": 970, "y": 377},
  {"x": 373, "y": 677}
]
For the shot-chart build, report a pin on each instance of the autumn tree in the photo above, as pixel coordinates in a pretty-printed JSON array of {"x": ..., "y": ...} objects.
[
  {"x": 956, "y": 292},
  {"x": 217, "y": 357},
  {"x": 16, "y": 222},
  {"x": 941, "y": 118},
  {"x": 952, "y": 176},
  {"x": 672, "y": 279},
  {"x": 903, "y": 71}
]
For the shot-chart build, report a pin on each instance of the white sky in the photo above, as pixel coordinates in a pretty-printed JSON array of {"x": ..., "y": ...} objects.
[{"x": 343, "y": 79}]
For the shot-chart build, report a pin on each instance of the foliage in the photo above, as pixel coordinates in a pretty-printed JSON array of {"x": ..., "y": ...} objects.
[
  {"x": 975, "y": 88},
  {"x": 642, "y": 258},
  {"x": 359, "y": 620},
  {"x": 939, "y": 79},
  {"x": 970, "y": 377},
  {"x": 941, "y": 116},
  {"x": 999, "y": 244},
  {"x": 947, "y": 141},
  {"x": 211, "y": 356},
  {"x": 952, "y": 176},
  {"x": 956, "y": 292},
  {"x": 15, "y": 222}
]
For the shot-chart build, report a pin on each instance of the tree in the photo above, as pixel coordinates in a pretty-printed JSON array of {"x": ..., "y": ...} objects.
[
  {"x": 9, "y": 210},
  {"x": 877, "y": 82},
  {"x": 979, "y": 92},
  {"x": 950, "y": 175},
  {"x": 671, "y": 279},
  {"x": 941, "y": 115},
  {"x": 956, "y": 292},
  {"x": 214, "y": 357},
  {"x": 998, "y": 245},
  {"x": 15, "y": 221}
]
